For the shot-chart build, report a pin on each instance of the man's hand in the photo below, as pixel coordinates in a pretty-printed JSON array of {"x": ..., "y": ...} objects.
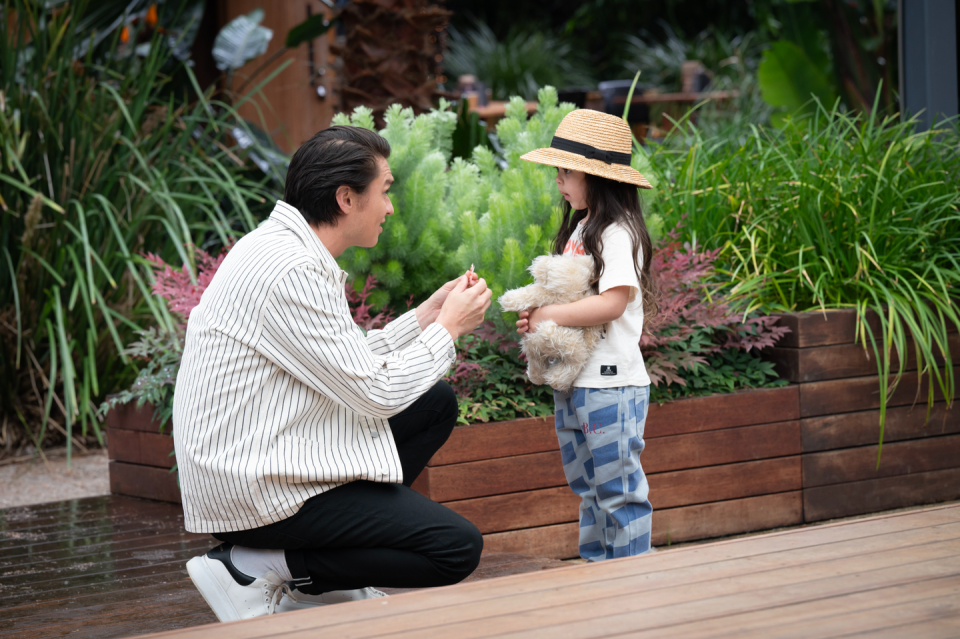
[
  {"x": 464, "y": 307},
  {"x": 428, "y": 312}
]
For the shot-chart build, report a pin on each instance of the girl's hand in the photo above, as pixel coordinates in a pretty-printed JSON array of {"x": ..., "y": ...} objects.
[{"x": 529, "y": 320}]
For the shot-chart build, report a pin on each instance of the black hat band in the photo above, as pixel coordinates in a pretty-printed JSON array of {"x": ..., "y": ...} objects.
[{"x": 590, "y": 152}]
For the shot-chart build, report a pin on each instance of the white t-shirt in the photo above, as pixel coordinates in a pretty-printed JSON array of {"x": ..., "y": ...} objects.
[{"x": 617, "y": 360}]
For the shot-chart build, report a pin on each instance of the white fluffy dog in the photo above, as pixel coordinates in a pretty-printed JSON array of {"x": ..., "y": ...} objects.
[{"x": 555, "y": 354}]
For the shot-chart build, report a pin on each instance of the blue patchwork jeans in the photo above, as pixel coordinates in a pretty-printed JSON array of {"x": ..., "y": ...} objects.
[{"x": 600, "y": 431}]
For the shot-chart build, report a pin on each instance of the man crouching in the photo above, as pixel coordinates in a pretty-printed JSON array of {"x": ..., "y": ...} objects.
[{"x": 298, "y": 436}]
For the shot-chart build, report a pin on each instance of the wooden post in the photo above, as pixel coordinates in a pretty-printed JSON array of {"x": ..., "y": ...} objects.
[{"x": 293, "y": 110}]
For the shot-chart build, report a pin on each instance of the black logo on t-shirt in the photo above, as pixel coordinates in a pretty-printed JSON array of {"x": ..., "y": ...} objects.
[{"x": 608, "y": 370}]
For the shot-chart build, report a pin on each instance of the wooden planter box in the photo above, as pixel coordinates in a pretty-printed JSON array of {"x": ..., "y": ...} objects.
[
  {"x": 717, "y": 465},
  {"x": 839, "y": 423},
  {"x": 725, "y": 464},
  {"x": 140, "y": 455}
]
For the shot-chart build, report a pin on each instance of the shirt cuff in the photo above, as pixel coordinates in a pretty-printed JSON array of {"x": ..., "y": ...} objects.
[{"x": 438, "y": 341}]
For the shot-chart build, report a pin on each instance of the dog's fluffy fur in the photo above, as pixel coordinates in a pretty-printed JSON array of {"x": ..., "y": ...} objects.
[{"x": 555, "y": 354}]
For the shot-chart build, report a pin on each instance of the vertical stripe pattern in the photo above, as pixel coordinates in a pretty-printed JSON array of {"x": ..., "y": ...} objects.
[{"x": 280, "y": 395}]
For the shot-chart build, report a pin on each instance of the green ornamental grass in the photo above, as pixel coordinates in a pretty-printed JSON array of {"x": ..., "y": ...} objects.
[
  {"x": 833, "y": 210},
  {"x": 106, "y": 153}
]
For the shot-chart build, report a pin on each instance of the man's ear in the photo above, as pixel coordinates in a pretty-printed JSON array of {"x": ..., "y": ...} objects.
[{"x": 346, "y": 199}]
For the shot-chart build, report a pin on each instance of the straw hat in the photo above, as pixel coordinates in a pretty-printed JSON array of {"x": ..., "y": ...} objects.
[{"x": 593, "y": 142}]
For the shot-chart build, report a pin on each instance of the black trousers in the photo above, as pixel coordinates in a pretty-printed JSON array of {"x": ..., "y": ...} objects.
[{"x": 371, "y": 534}]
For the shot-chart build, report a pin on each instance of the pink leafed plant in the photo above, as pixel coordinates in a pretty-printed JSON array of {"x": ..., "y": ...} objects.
[
  {"x": 361, "y": 310},
  {"x": 694, "y": 311},
  {"x": 175, "y": 285}
]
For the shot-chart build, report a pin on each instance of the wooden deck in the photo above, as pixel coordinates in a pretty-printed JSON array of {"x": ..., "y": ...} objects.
[
  {"x": 115, "y": 567},
  {"x": 890, "y": 576}
]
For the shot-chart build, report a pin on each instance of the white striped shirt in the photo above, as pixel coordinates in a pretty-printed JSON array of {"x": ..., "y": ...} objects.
[{"x": 280, "y": 396}]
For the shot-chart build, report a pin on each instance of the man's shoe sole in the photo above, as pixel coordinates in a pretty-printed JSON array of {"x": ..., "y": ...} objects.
[{"x": 203, "y": 577}]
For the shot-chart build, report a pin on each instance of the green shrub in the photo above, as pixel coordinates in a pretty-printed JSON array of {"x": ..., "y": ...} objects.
[
  {"x": 834, "y": 210},
  {"x": 102, "y": 160},
  {"x": 412, "y": 256}
]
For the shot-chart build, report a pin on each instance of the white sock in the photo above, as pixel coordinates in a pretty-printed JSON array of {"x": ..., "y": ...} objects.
[{"x": 256, "y": 563}]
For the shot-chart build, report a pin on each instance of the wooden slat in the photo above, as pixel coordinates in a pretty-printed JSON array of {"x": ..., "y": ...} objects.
[
  {"x": 816, "y": 328},
  {"x": 862, "y": 428},
  {"x": 862, "y": 393},
  {"x": 123, "y": 445},
  {"x": 722, "y": 483},
  {"x": 140, "y": 447},
  {"x": 538, "y": 508},
  {"x": 725, "y": 446},
  {"x": 744, "y": 408},
  {"x": 717, "y": 519},
  {"x": 712, "y": 603},
  {"x": 637, "y": 593},
  {"x": 129, "y": 417},
  {"x": 529, "y": 509},
  {"x": 144, "y": 481},
  {"x": 500, "y": 439},
  {"x": 837, "y": 362},
  {"x": 792, "y": 620},
  {"x": 557, "y": 542},
  {"x": 898, "y": 458},
  {"x": 495, "y": 476},
  {"x": 875, "y": 495}
]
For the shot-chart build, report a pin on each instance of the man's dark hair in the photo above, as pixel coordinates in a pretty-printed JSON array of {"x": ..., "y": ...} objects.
[{"x": 334, "y": 157}]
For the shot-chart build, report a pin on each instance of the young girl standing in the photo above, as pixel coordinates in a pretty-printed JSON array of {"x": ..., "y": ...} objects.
[{"x": 600, "y": 420}]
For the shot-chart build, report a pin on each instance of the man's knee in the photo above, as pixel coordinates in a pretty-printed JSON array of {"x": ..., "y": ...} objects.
[
  {"x": 465, "y": 556},
  {"x": 445, "y": 399}
]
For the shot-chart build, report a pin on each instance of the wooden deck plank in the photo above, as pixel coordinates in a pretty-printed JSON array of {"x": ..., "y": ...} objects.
[
  {"x": 777, "y": 621},
  {"x": 919, "y": 604},
  {"x": 668, "y": 588},
  {"x": 622, "y": 610},
  {"x": 572, "y": 611},
  {"x": 90, "y": 575},
  {"x": 943, "y": 628},
  {"x": 88, "y": 552}
]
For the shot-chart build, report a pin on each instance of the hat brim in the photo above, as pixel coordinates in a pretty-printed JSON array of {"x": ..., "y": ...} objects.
[{"x": 568, "y": 160}]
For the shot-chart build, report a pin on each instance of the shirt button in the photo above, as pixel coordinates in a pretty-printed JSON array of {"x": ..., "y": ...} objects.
[
  {"x": 451, "y": 353},
  {"x": 375, "y": 434}
]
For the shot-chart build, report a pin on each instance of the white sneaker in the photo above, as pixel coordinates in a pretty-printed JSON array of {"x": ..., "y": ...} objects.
[
  {"x": 301, "y": 601},
  {"x": 231, "y": 594}
]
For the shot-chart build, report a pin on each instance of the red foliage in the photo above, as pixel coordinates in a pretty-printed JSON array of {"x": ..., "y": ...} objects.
[
  {"x": 361, "y": 310},
  {"x": 693, "y": 303},
  {"x": 175, "y": 286},
  {"x": 465, "y": 375}
]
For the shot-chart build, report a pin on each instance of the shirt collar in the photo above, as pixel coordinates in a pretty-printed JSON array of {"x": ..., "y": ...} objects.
[{"x": 293, "y": 220}]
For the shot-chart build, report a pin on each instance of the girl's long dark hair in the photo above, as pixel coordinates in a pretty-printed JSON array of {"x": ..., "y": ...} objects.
[{"x": 612, "y": 202}]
